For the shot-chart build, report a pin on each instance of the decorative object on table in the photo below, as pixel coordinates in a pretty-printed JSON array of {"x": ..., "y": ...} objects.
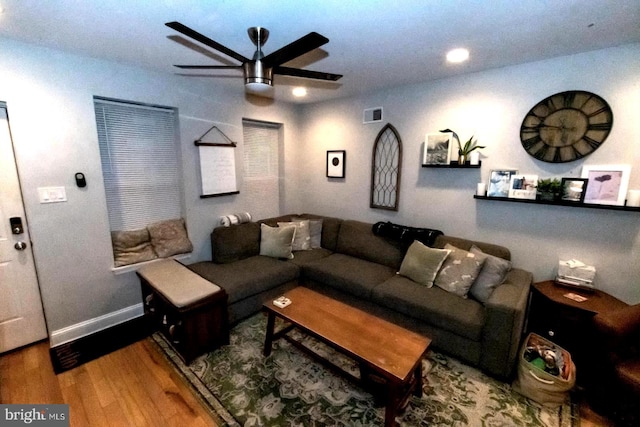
[
  {"x": 481, "y": 189},
  {"x": 336, "y": 163},
  {"x": 573, "y": 189},
  {"x": 474, "y": 158},
  {"x": 575, "y": 273},
  {"x": 499, "y": 182},
  {"x": 607, "y": 184},
  {"x": 566, "y": 126},
  {"x": 549, "y": 189},
  {"x": 437, "y": 148},
  {"x": 523, "y": 187},
  {"x": 633, "y": 198},
  {"x": 386, "y": 169},
  {"x": 464, "y": 150}
]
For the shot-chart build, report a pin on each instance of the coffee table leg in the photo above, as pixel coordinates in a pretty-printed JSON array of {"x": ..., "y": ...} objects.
[{"x": 271, "y": 321}]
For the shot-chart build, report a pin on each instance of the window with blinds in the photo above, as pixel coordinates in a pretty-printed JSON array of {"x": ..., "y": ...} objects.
[
  {"x": 262, "y": 168},
  {"x": 140, "y": 163}
]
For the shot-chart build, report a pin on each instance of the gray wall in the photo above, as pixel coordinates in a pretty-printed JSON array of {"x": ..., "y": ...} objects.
[
  {"x": 49, "y": 95},
  {"x": 490, "y": 105}
]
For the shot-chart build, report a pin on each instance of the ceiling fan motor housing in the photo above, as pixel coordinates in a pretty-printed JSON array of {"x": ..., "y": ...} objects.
[{"x": 256, "y": 72}]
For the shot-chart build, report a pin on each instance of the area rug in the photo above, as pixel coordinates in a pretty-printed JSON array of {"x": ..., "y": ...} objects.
[{"x": 243, "y": 388}]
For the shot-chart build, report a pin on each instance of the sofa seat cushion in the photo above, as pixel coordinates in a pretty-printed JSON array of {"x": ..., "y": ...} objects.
[
  {"x": 247, "y": 277},
  {"x": 435, "y": 306},
  {"x": 347, "y": 274},
  {"x": 302, "y": 258}
]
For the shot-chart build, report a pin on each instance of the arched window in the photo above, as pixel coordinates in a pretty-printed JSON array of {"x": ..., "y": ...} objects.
[{"x": 386, "y": 166}]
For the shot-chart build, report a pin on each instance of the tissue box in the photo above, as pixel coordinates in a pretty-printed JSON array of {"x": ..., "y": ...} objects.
[{"x": 576, "y": 270}]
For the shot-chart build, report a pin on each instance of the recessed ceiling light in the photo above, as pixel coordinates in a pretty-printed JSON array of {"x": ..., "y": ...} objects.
[
  {"x": 458, "y": 55},
  {"x": 299, "y": 92}
]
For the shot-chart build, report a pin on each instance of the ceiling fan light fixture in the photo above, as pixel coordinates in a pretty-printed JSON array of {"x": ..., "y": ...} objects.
[{"x": 457, "y": 55}]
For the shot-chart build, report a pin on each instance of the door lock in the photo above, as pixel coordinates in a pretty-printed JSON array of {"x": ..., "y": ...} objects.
[
  {"x": 21, "y": 246},
  {"x": 16, "y": 225}
]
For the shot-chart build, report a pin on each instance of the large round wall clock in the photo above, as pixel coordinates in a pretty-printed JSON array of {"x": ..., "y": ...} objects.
[{"x": 566, "y": 126}]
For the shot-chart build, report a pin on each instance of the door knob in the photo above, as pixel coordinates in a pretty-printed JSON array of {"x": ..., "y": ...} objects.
[{"x": 21, "y": 246}]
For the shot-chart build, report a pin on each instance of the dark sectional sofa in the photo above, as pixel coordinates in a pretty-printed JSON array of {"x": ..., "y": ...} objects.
[{"x": 359, "y": 267}]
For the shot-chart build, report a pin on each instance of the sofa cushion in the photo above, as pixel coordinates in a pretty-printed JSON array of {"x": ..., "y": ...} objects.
[
  {"x": 305, "y": 257},
  {"x": 302, "y": 237},
  {"x": 491, "y": 276},
  {"x": 422, "y": 263},
  {"x": 277, "y": 242},
  {"x": 435, "y": 306},
  {"x": 459, "y": 270},
  {"x": 315, "y": 231},
  {"x": 357, "y": 239},
  {"x": 240, "y": 241},
  {"x": 487, "y": 248},
  {"x": 247, "y": 277},
  {"x": 330, "y": 227},
  {"x": 348, "y": 274},
  {"x": 130, "y": 247}
]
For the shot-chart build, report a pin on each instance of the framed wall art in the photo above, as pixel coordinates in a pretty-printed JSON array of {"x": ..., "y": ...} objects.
[
  {"x": 607, "y": 184},
  {"x": 336, "y": 163},
  {"x": 573, "y": 189},
  {"x": 499, "y": 182},
  {"x": 523, "y": 186},
  {"x": 437, "y": 148}
]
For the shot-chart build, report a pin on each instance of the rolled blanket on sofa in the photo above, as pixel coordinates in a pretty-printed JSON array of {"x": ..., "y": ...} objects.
[
  {"x": 237, "y": 218},
  {"x": 404, "y": 234}
]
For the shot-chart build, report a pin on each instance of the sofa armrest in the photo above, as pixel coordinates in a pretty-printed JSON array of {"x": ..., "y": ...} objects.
[{"x": 505, "y": 315}]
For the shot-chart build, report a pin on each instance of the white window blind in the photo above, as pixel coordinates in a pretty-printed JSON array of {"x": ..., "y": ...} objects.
[
  {"x": 140, "y": 163},
  {"x": 262, "y": 171}
]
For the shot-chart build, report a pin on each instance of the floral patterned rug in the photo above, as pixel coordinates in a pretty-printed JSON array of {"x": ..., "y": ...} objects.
[{"x": 288, "y": 388}]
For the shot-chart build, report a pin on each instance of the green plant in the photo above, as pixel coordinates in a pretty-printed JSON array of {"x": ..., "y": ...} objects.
[
  {"x": 549, "y": 185},
  {"x": 468, "y": 147}
]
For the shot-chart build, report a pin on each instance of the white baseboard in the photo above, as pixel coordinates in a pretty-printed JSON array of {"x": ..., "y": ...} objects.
[{"x": 91, "y": 326}]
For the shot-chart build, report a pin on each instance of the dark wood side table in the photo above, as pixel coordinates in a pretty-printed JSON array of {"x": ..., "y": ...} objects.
[{"x": 566, "y": 322}]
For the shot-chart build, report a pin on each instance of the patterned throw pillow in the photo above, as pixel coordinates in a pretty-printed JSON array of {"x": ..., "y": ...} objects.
[
  {"x": 302, "y": 238},
  {"x": 459, "y": 271},
  {"x": 170, "y": 237},
  {"x": 421, "y": 263}
]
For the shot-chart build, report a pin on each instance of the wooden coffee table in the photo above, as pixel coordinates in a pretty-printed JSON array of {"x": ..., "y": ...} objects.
[{"x": 387, "y": 351}]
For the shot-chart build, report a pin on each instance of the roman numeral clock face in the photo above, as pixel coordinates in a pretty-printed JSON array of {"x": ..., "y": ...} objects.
[{"x": 566, "y": 126}]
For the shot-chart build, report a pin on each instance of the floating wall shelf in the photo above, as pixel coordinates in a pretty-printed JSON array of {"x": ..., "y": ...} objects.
[
  {"x": 561, "y": 203},
  {"x": 455, "y": 165}
]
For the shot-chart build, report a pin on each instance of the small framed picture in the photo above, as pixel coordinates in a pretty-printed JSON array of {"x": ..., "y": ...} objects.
[
  {"x": 573, "y": 189},
  {"x": 607, "y": 184},
  {"x": 336, "y": 163},
  {"x": 499, "y": 181},
  {"x": 523, "y": 186},
  {"x": 437, "y": 148}
]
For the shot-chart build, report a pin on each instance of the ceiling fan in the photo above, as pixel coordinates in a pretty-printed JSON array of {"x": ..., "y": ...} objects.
[{"x": 259, "y": 71}]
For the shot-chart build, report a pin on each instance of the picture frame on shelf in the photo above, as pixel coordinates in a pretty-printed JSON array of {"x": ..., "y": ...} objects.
[
  {"x": 523, "y": 186},
  {"x": 437, "y": 148},
  {"x": 573, "y": 189},
  {"x": 336, "y": 160},
  {"x": 499, "y": 181},
  {"x": 608, "y": 184}
]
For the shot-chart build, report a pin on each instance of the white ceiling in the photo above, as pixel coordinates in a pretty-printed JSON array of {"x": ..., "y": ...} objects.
[{"x": 374, "y": 44}]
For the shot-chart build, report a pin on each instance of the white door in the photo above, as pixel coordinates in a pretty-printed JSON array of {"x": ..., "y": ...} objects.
[{"x": 21, "y": 316}]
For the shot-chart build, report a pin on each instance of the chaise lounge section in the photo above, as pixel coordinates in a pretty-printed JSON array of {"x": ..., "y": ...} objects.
[{"x": 352, "y": 263}]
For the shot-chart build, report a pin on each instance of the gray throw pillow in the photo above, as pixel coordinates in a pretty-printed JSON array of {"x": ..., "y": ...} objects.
[
  {"x": 315, "y": 231},
  {"x": 459, "y": 271},
  {"x": 276, "y": 242},
  {"x": 491, "y": 276},
  {"x": 421, "y": 263}
]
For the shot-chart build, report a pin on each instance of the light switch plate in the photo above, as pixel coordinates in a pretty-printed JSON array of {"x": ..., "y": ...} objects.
[{"x": 52, "y": 194}]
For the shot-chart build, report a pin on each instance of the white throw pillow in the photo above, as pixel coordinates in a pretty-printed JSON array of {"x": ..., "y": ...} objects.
[{"x": 276, "y": 242}]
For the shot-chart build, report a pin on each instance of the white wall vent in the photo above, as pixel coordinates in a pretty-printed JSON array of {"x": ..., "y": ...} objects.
[{"x": 372, "y": 115}]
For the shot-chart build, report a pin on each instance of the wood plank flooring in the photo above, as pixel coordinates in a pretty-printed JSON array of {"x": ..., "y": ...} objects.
[{"x": 133, "y": 386}]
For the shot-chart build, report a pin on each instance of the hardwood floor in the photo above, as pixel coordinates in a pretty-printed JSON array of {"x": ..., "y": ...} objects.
[{"x": 133, "y": 386}]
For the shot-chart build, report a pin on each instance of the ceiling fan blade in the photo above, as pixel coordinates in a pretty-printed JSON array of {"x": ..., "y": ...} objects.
[
  {"x": 293, "y": 50},
  {"x": 210, "y": 67},
  {"x": 297, "y": 72},
  {"x": 205, "y": 40}
]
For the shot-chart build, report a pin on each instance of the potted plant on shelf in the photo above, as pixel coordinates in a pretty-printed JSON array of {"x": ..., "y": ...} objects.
[
  {"x": 464, "y": 150},
  {"x": 549, "y": 189}
]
